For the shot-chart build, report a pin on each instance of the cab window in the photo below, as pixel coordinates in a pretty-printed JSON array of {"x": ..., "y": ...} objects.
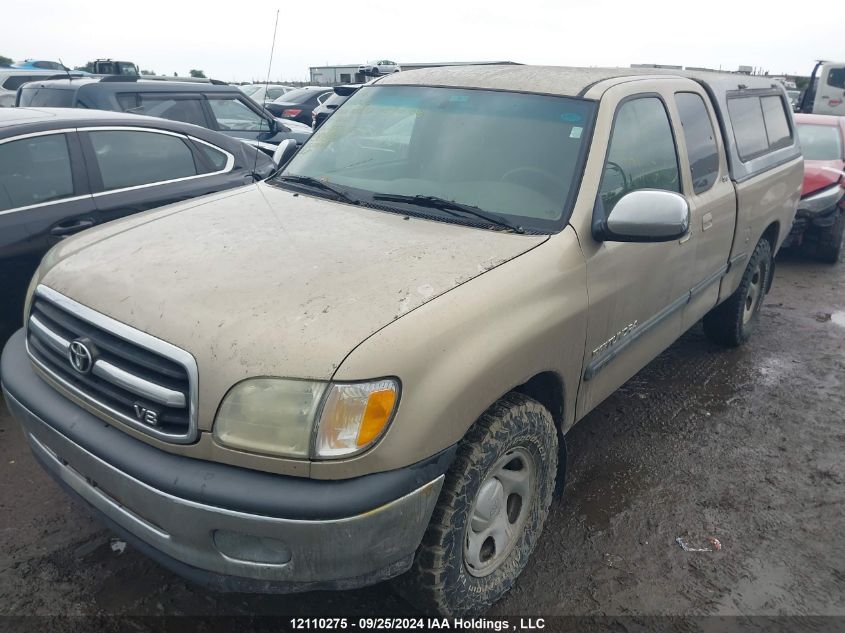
[
  {"x": 34, "y": 171},
  {"x": 642, "y": 153},
  {"x": 700, "y": 138}
]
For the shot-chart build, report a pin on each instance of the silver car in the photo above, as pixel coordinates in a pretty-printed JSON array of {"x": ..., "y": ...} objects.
[{"x": 379, "y": 67}]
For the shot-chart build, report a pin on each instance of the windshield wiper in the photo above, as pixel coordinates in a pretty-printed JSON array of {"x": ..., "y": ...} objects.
[
  {"x": 450, "y": 207},
  {"x": 316, "y": 183}
]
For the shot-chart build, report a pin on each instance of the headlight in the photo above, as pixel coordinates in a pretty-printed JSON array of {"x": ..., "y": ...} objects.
[
  {"x": 270, "y": 415},
  {"x": 278, "y": 416}
]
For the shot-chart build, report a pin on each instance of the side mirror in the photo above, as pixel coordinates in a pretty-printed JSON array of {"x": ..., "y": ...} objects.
[
  {"x": 284, "y": 152},
  {"x": 648, "y": 215}
]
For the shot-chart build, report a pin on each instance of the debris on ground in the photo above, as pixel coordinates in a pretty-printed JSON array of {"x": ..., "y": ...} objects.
[
  {"x": 714, "y": 545},
  {"x": 118, "y": 545}
]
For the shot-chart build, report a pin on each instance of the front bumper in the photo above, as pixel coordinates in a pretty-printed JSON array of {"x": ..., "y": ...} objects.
[
  {"x": 252, "y": 545},
  {"x": 818, "y": 212}
]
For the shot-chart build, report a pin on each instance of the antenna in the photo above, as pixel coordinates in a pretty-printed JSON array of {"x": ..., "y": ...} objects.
[
  {"x": 69, "y": 78},
  {"x": 266, "y": 85}
]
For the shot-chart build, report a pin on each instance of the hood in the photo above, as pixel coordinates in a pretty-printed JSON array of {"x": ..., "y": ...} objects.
[
  {"x": 820, "y": 174},
  {"x": 266, "y": 282}
]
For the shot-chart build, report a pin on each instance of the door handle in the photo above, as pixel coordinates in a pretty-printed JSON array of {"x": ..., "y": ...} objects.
[
  {"x": 75, "y": 226},
  {"x": 706, "y": 221}
]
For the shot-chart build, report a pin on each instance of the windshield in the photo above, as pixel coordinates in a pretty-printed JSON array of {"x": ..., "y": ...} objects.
[
  {"x": 820, "y": 142},
  {"x": 511, "y": 154},
  {"x": 248, "y": 90}
]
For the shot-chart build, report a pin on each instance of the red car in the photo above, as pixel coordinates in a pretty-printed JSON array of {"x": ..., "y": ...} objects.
[{"x": 819, "y": 225}]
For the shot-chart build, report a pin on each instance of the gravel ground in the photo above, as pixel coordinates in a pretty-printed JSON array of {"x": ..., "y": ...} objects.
[{"x": 746, "y": 446}]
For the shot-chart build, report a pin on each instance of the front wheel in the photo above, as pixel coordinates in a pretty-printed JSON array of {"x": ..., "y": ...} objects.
[
  {"x": 731, "y": 322},
  {"x": 490, "y": 513}
]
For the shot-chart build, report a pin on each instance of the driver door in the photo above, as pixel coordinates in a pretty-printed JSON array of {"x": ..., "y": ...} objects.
[{"x": 637, "y": 291}]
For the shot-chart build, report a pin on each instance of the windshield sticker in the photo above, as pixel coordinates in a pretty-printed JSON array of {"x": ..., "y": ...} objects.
[
  {"x": 571, "y": 117},
  {"x": 575, "y": 132}
]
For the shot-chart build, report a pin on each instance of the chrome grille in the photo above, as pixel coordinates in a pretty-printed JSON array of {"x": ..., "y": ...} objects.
[{"x": 128, "y": 375}]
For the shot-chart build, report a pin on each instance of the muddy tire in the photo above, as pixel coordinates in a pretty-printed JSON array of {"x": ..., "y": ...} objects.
[
  {"x": 825, "y": 245},
  {"x": 501, "y": 481},
  {"x": 731, "y": 322}
]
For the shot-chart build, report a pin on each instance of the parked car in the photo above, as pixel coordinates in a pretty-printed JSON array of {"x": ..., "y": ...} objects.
[
  {"x": 327, "y": 108},
  {"x": 63, "y": 171},
  {"x": 379, "y": 67},
  {"x": 38, "y": 64},
  {"x": 826, "y": 92},
  {"x": 297, "y": 105},
  {"x": 819, "y": 226},
  {"x": 13, "y": 78},
  {"x": 261, "y": 93},
  {"x": 216, "y": 106},
  {"x": 460, "y": 265}
]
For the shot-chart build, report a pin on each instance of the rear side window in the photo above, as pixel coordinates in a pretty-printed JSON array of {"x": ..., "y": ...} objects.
[
  {"x": 217, "y": 158},
  {"x": 642, "y": 152},
  {"x": 836, "y": 77},
  {"x": 759, "y": 125},
  {"x": 129, "y": 158},
  {"x": 749, "y": 128},
  {"x": 777, "y": 128},
  {"x": 34, "y": 170},
  {"x": 701, "y": 140},
  {"x": 184, "y": 109},
  {"x": 47, "y": 97}
]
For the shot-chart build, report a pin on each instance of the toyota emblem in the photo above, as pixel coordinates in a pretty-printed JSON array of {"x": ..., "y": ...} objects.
[{"x": 80, "y": 356}]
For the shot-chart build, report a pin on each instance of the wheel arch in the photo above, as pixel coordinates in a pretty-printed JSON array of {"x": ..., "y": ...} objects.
[
  {"x": 772, "y": 235},
  {"x": 548, "y": 388}
]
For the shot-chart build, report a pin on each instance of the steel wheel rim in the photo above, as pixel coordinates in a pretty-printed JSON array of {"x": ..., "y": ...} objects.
[
  {"x": 754, "y": 294},
  {"x": 499, "y": 512}
]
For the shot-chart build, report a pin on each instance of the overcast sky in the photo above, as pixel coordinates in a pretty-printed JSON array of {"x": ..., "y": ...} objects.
[{"x": 231, "y": 40}]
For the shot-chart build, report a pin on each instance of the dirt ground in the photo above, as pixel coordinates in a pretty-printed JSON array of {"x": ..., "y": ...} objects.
[{"x": 746, "y": 445}]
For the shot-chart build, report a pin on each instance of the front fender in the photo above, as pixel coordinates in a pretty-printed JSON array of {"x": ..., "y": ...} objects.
[{"x": 458, "y": 354}]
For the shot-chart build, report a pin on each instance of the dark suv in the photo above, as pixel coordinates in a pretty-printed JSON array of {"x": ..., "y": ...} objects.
[{"x": 216, "y": 106}]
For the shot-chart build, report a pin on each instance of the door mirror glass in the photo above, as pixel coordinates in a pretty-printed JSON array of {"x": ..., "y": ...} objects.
[
  {"x": 284, "y": 152},
  {"x": 648, "y": 215}
]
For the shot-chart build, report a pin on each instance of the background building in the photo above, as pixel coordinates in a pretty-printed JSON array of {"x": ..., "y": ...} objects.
[{"x": 348, "y": 73}]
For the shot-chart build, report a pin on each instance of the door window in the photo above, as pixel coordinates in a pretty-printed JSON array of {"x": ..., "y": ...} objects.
[
  {"x": 700, "y": 138},
  {"x": 642, "y": 152},
  {"x": 186, "y": 110},
  {"x": 234, "y": 115},
  {"x": 130, "y": 158},
  {"x": 34, "y": 170},
  {"x": 836, "y": 78}
]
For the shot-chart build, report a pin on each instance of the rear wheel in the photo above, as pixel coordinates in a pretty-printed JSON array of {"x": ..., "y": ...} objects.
[
  {"x": 490, "y": 513},
  {"x": 825, "y": 244},
  {"x": 731, "y": 322}
]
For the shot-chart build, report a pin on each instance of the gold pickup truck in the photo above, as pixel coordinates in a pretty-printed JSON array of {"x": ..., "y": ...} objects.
[{"x": 364, "y": 367}]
